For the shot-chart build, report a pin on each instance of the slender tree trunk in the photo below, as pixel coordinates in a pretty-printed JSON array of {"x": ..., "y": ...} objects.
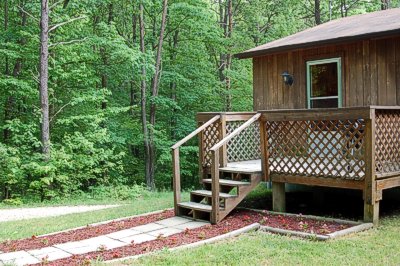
[
  {"x": 143, "y": 88},
  {"x": 155, "y": 82},
  {"x": 228, "y": 105},
  {"x": 154, "y": 91},
  {"x": 317, "y": 12},
  {"x": 172, "y": 85},
  {"x": 44, "y": 77},
  {"x": 104, "y": 77},
  {"x": 7, "y": 71},
  {"x": 385, "y": 4}
]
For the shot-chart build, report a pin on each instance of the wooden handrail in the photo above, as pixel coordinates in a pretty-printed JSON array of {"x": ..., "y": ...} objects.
[
  {"x": 236, "y": 132},
  {"x": 215, "y": 167},
  {"x": 176, "y": 169},
  {"x": 194, "y": 133}
]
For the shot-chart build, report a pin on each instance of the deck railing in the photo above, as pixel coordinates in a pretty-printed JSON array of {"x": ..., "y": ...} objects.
[
  {"x": 387, "y": 141},
  {"x": 175, "y": 156},
  {"x": 324, "y": 143},
  {"x": 215, "y": 152},
  {"x": 246, "y": 146}
]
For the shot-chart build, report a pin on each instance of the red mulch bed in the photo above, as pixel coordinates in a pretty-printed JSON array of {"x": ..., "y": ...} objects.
[
  {"x": 236, "y": 220},
  {"x": 35, "y": 242}
]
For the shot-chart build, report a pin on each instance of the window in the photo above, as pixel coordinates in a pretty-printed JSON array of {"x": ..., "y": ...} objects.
[{"x": 324, "y": 86}]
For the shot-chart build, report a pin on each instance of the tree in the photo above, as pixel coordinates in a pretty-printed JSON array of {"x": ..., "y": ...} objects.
[{"x": 44, "y": 77}]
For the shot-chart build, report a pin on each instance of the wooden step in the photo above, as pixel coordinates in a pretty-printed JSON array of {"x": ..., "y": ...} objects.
[
  {"x": 207, "y": 193},
  {"x": 196, "y": 206},
  {"x": 227, "y": 182},
  {"x": 245, "y": 171}
]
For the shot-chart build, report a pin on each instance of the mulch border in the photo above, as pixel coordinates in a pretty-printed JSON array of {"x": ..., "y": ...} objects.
[
  {"x": 237, "y": 232},
  {"x": 357, "y": 226}
]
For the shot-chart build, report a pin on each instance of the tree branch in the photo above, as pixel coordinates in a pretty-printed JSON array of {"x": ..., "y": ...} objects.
[
  {"x": 29, "y": 14},
  {"x": 55, "y": 4},
  {"x": 59, "y": 111},
  {"x": 65, "y": 22},
  {"x": 68, "y": 42}
]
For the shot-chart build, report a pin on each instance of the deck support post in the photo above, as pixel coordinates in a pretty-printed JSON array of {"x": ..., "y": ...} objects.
[
  {"x": 371, "y": 212},
  {"x": 176, "y": 179},
  {"x": 371, "y": 202},
  {"x": 215, "y": 187},
  {"x": 278, "y": 197}
]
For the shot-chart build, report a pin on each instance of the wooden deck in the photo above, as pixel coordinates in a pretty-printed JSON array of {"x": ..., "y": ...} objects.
[
  {"x": 352, "y": 148},
  {"x": 249, "y": 167}
]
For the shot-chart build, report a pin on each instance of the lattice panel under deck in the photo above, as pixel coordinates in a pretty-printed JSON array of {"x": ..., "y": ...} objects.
[
  {"x": 387, "y": 141},
  {"x": 333, "y": 149},
  {"x": 211, "y": 136},
  {"x": 245, "y": 146}
]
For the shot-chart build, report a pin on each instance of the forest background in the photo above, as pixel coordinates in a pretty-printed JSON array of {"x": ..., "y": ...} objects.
[{"x": 94, "y": 92}]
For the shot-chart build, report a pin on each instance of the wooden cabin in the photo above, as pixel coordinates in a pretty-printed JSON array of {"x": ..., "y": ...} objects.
[{"x": 326, "y": 113}]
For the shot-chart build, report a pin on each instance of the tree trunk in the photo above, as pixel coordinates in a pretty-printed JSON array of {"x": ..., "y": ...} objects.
[
  {"x": 172, "y": 84},
  {"x": 228, "y": 100},
  {"x": 7, "y": 71},
  {"x": 317, "y": 12},
  {"x": 44, "y": 77},
  {"x": 104, "y": 77},
  {"x": 155, "y": 81},
  {"x": 154, "y": 90},
  {"x": 143, "y": 87},
  {"x": 385, "y": 4}
]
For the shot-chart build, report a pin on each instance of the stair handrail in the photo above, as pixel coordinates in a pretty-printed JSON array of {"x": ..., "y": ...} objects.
[
  {"x": 215, "y": 166},
  {"x": 175, "y": 160}
]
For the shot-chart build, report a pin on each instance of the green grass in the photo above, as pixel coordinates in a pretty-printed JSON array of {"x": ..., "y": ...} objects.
[
  {"x": 26, "y": 228},
  {"x": 380, "y": 246}
]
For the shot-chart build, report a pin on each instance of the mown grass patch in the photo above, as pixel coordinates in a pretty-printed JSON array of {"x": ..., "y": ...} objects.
[{"x": 26, "y": 228}]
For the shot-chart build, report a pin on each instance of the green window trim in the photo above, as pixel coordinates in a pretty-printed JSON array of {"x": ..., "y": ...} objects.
[{"x": 336, "y": 60}]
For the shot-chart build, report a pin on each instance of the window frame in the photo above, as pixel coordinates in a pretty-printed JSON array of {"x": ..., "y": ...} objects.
[{"x": 338, "y": 61}]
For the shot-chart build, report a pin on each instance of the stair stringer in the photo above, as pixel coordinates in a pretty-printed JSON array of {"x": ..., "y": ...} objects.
[{"x": 243, "y": 191}]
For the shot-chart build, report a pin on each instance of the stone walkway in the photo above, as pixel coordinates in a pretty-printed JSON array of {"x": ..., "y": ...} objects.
[{"x": 121, "y": 238}]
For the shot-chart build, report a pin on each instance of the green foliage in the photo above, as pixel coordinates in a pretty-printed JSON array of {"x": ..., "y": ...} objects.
[{"x": 94, "y": 86}]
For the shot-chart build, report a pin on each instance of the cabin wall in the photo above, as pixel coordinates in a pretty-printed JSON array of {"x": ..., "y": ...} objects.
[{"x": 370, "y": 75}]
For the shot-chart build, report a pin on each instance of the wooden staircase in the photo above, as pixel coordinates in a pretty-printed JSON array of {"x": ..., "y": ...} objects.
[
  {"x": 233, "y": 188},
  {"x": 219, "y": 196}
]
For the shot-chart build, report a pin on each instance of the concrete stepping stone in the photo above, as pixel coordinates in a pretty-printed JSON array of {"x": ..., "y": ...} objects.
[
  {"x": 17, "y": 258},
  {"x": 137, "y": 239},
  {"x": 173, "y": 221},
  {"x": 148, "y": 227},
  {"x": 103, "y": 242},
  {"x": 49, "y": 253},
  {"x": 165, "y": 232},
  {"x": 191, "y": 225},
  {"x": 124, "y": 233}
]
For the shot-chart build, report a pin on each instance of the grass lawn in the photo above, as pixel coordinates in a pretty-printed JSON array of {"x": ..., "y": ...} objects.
[
  {"x": 380, "y": 246},
  {"x": 26, "y": 228}
]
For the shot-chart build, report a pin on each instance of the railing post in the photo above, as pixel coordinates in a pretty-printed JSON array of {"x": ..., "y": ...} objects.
[
  {"x": 176, "y": 179},
  {"x": 222, "y": 131},
  {"x": 201, "y": 156},
  {"x": 264, "y": 151},
  {"x": 371, "y": 204},
  {"x": 215, "y": 186}
]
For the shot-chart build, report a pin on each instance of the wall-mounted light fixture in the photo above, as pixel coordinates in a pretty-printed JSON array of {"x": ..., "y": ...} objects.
[{"x": 287, "y": 78}]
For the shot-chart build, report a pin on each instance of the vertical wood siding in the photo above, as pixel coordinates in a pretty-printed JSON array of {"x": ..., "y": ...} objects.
[{"x": 370, "y": 74}]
